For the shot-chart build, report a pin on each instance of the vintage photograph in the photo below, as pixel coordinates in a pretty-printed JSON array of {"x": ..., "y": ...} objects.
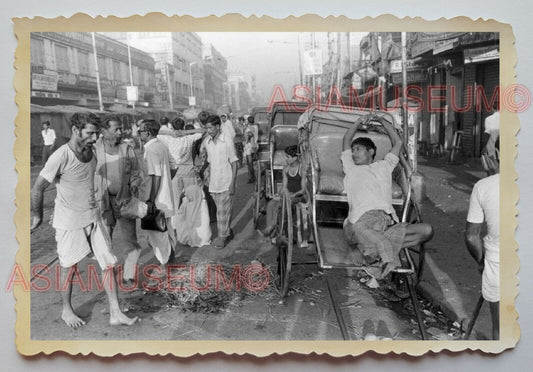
[{"x": 265, "y": 186}]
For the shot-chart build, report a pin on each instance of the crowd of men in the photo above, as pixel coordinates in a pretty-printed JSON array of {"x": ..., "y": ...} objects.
[
  {"x": 170, "y": 171},
  {"x": 165, "y": 170}
]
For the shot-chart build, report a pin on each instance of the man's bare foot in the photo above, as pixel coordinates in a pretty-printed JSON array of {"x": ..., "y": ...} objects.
[
  {"x": 120, "y": 318},
  {"x": 71, "y": 319}
]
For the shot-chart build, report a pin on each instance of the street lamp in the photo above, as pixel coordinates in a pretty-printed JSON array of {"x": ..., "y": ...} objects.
[{"x": 190, "y": 77}]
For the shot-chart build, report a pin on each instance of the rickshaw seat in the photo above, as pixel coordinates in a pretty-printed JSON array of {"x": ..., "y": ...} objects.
[
  {"x": 333, "y": 184},
  {"x": 279, "y": 159},
  {"x": 282, "y": 136},
  {"x": 326, "y": 151}
]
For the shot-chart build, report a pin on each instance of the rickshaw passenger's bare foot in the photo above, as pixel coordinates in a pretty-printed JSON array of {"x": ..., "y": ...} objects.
[{"x": 71, "y": 319}]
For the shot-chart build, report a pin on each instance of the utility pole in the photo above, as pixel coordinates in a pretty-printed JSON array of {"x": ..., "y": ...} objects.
[
  {"x": 129, "y": 63},
  {"x": 349, "y": 52},
  {"x": 404, "y": 88},
  {"x": 417, "y": 180},
  {"x": 97, "y": 73},
  {"x": 313, "y": 76},
  {"x": 300, "y": 60},
  {"x": 339, "y": 60}
]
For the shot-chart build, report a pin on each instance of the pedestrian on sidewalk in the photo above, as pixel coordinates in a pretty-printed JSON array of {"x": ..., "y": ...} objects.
[
  {"x": 49, "y": 140},
  {"x": 78, "y": 223},
  {"x": 239, "y": 139},
  {"x": 484, "y": 209},
  {"x": 226, "y": 127},
  {"x": 223, "y": 175},
  {"x": 372, "y": 223},
  {"x": 489, "y": 152},
  {"x": 250, "y": 125},
  {"x": 116, "y": 180},
  {"x": 250, "y": 153},
  {"x": 158, "y": 169},
  {"x": 180, "y": 144}
]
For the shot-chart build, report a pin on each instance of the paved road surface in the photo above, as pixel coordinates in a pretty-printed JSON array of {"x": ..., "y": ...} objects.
[{"x": 306, "y": 314}]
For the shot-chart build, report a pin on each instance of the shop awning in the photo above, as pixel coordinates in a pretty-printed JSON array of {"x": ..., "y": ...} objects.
[{"x": 482, "y": 54}]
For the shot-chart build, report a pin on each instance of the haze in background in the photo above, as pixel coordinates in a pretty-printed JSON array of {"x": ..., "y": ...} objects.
[{"x": 271, "y": 56}]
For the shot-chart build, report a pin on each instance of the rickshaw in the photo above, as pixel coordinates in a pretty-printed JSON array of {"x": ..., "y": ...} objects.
[
  {"x": 329, "y": 203},
  {"x": 280, "y": 133},
  {"x": 260, "y": 115}
]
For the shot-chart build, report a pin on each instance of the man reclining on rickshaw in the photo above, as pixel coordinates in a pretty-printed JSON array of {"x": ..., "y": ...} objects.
[{"x": 372, "y": 223}]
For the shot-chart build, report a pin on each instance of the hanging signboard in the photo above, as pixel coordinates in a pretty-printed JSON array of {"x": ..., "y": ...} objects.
[
  {"x": 412, "y": 77},
  {"x": 132, "y": 93},
  {"x": 44, "y": 82},
  {"x": 45, "y": 94},
  {"x": 412, "y": 64},
  {"x": 444, "y": 45},
  {"x": 192, "y": 101}
]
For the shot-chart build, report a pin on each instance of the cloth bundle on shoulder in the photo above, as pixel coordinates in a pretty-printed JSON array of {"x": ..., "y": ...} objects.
[{"x": 192, "y": 220}]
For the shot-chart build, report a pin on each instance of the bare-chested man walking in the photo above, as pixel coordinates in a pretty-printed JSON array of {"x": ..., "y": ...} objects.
[{"x": 77, "y": 220}]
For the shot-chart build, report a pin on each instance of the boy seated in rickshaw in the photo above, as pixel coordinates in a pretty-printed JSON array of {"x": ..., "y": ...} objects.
[
  {"x": 295, "y": 188},
  {"x": 372, "y": 223}
]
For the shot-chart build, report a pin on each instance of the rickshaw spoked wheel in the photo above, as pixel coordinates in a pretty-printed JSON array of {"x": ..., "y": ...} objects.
[
  {"x": 259, "y": 194},
  {"x": 285, "y": 244}
]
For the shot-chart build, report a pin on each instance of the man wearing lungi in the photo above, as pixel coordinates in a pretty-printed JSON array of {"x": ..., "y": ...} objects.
[
  {"x": 223, "y": 174},
  {"x": 117, "y": 179},
  {"x": 372, "y": 223},
  {"x": 78, "y": 223}
]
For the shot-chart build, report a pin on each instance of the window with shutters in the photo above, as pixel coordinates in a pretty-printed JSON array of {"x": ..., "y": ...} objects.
[
  {"x": 102, "y": 70},
  {"x": 83, "y": 61},
  {"x": 146, "y": 78},
  {"x": 116, "y": 71},
  {"x": 37, "y": 52},
  {"x": 135, "y": 75},
  {"x": 124, "y": 73},
  {"x": 61, "y": 57}
]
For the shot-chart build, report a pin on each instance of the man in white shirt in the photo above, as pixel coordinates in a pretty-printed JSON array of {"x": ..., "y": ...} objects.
[
  {"x": 226, "y": 127},
  {"x": 223, "y": 174},
  {"x": 159, "y": 168},
  {"x": 488, "y": 141},
  {"x": 372, "y": 223},
  {"x": 49, "y": 140},
  {"x": 77, "y": 220},
  {"x": 484, "y": 208}
]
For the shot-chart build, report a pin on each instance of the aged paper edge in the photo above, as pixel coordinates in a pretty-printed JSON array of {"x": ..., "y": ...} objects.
[{"x": 509, "y": 332}]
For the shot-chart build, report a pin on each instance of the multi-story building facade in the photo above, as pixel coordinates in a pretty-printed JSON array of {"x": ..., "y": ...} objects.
[
  {"x": 215, "y": 67},
  {"x": 179, "y": 67},
  {"x": 238, "y": 92},
  {"x": 342, "y": 59},
  {"x": 64, "y": 70}
]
